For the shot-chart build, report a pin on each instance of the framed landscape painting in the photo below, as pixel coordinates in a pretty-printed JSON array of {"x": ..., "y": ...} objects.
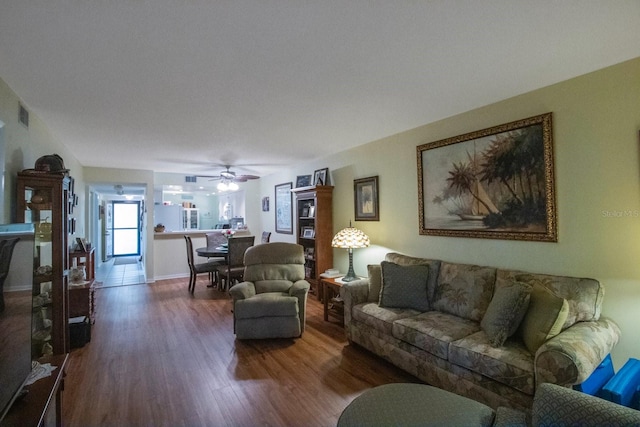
[{"x": 496, "y": 183}]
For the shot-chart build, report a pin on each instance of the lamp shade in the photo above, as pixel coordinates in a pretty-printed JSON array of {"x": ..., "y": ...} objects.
[{"x": 350, "y": 238}]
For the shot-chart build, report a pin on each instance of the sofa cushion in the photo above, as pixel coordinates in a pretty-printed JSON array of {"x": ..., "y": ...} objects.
[
  {"x": 583, "y": 295},
  {"x": 380, "y": 318},
  {"x": 404, "y": 286},
  {"x": 434, "y": 268},
  {"x": 544, "y": 319},
  {"x": 511, "y": 364},
  {"x": 433, "y": 331},
  {"x": 464, "y": 290},
  {"x": 506, "y": 310}
]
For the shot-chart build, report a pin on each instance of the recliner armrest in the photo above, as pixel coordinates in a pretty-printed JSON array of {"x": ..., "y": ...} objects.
[
  {"x": 299, "y": 288},
  {"x": 242, "y": 290}
]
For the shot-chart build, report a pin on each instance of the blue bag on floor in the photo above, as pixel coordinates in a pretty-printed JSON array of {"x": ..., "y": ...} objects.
[
  {"x": 623, "y": 386},
  {"x": 603, "y": 373}
]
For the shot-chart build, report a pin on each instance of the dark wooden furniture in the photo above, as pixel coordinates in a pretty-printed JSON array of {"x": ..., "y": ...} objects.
[
  {"x": 333, "y": 305},
  {"x": 234, "y": 268},
  {"x": 314, "y": 225},
  {"x": 212, "y": 252},
  {"x": 86, "y": 259},
  {"x": 211, "y": 267},
  {"x": 45, "y": 199},
  {"x": 82, "y": 300},
  {"x": 42, "y": 405}
]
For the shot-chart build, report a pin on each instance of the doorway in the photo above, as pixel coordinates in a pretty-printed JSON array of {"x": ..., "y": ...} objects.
[{"x": 126, "y": 228}]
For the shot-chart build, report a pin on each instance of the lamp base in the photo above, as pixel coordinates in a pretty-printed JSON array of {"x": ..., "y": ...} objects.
[
  {"x": 349, "y": 278},
  {"x": 351, "y": 275}
]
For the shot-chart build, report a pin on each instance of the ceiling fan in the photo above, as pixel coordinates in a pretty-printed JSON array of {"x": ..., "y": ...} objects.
[{"x": 228, "y": 179}]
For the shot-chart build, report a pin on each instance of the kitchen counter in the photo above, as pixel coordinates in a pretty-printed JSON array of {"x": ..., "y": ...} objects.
[{"x": 169, "y": 251}]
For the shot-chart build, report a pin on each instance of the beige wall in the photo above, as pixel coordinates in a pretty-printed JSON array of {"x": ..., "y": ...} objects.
[
  {"x": 24, "y": 145},
  {"x": 595, "y": 121}
]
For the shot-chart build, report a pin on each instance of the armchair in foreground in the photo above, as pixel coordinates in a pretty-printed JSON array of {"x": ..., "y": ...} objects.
[{"x": 271, "y": 301}]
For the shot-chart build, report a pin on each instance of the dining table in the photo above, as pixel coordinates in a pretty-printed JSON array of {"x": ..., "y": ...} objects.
[{"x": 213, "y": 251}]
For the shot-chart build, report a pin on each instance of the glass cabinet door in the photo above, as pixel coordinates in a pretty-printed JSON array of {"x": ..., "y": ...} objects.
[
  {"x": 42, "y": 201},
  {"x": 39, "y": 211}
]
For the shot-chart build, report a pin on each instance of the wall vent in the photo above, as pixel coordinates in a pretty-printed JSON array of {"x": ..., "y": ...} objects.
[
  {"x": 190, "y": 179},
  {"x": 23, "y": 116}
]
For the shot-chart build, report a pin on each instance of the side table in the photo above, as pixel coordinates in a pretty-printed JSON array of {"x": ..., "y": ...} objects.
[
  {"x": 82, "y": 301},
  {"x": 333, "y": 305},
  {"x": 86, "y": 259}
]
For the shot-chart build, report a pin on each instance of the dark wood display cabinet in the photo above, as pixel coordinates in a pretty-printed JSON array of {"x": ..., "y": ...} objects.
[
  {"x": 314, "y": 228},
  {"x": 45, "y": 199}
]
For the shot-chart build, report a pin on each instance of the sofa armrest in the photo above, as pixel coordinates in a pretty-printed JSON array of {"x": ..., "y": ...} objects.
[
  {"x": 571, "y": 357},
  {"x": 559, "y": 406},
  {"x": 509, "y": 417},
  {"x": 353, "y": 293},
  {"x": 242, "y": 290}
]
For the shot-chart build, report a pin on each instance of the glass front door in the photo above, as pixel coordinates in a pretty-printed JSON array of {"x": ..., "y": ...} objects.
[{"x": 126, "y": 228}]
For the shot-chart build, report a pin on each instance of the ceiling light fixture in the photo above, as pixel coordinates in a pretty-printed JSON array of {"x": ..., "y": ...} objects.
[{"x": 227, "y": 185}]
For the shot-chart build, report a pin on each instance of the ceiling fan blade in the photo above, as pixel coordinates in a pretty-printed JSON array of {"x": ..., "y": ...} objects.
[{"x": 246, "y": 177}]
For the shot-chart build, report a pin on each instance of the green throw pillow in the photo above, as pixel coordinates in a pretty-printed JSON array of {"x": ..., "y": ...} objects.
[
  {"x": 404, "y": 286},
  {"x": 544, "y": 319},
  {"x": 505, "y": 312}
]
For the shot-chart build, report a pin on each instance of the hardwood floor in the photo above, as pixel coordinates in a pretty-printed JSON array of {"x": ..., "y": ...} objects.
[{"x": 161, "y": 357}]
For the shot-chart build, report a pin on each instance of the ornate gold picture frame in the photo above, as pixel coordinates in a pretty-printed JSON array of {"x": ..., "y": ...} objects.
[{"x": 496, "y": 183}]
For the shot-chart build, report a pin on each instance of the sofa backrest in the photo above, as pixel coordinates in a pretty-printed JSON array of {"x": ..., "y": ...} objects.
[
  {"x": 583, "y": 295},
  {"x": 464, "y": 290}
]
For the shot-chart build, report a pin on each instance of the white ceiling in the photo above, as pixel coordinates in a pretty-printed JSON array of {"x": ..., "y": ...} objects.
[{"x": 180, "y": 86}]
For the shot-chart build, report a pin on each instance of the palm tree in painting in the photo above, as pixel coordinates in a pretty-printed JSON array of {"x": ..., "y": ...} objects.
[
  {"x": 463, "y": 179},
  {"x": 515, "y": 160}
]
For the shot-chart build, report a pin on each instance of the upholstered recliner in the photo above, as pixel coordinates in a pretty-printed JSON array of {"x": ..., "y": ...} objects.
[{"x": 271, "y": 301}]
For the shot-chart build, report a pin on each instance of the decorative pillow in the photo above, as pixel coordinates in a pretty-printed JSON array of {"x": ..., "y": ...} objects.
[
  {"x": 404, "y": 286},
  {"x": 505, "y": 312},
  {"x": 464, "y": 290},
  {"x": 544, "y": 319}
]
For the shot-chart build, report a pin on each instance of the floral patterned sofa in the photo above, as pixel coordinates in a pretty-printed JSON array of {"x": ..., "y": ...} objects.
[{"x": 489, "y": 334}]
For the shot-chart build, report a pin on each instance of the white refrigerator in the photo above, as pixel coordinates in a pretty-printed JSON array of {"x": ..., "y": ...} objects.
[{"x": 168, "y": 215}]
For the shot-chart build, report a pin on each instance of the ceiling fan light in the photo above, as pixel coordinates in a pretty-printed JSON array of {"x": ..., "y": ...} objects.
[
  {"x": 233, "y": 186},
  {"x": 222, "y": 186}
]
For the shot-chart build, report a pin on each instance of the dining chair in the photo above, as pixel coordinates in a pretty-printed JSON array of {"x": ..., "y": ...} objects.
[
  {"x": 266, "y": 236},
  {"x": 210, "y": 267},
  {"x": 215, "y": 239},
  {"x": 234, "y": 269}
]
